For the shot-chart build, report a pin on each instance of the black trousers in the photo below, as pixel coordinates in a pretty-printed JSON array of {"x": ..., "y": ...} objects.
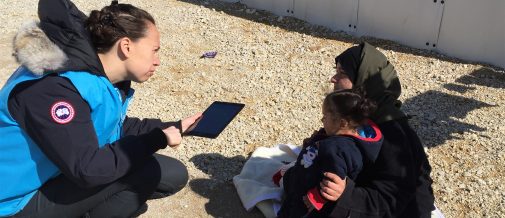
[{"x": 59, "y": 197}]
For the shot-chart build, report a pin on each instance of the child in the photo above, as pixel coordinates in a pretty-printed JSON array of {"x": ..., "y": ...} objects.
[{"x": 350, "y": 142}]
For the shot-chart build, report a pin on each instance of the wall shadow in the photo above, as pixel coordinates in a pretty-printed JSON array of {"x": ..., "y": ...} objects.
[
  {"x": 436, "y": 116},
  {"x": 433, "y": 112},
  {"x": 219, "y": 189},
  {"x": 296, "y": 25},
  {"x": 484, "y": 77},
  {"x": 458, "y": 88}
]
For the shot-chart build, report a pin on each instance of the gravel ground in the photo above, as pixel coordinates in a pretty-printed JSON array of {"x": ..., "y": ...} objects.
[{"x": 279, "y": 67}]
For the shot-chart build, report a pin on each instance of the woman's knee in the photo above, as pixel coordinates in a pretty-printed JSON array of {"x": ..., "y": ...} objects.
[
  {"x": 174, "y": 174},
  {"x": 145, "y": 178},
  {"x": 180, "y": 176}
]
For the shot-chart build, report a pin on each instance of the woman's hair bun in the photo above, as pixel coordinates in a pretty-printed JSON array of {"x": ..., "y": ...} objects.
[{"x": 116, "y": 21}]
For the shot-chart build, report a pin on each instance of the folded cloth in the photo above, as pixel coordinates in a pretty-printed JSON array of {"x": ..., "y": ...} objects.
[
  {"x": 254, "y": 184},
  {"x": 437, "y": 213}
]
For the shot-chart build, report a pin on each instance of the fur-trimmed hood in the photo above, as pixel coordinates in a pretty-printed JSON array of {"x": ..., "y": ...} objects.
[
  {"x": 33, "y": 49},
  {"x": 59, "y": 42}
]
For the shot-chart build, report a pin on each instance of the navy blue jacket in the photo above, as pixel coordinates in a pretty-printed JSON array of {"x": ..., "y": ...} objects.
[
  {"x": 344, "y": 155},
  {"x": 398, "y": 184}
]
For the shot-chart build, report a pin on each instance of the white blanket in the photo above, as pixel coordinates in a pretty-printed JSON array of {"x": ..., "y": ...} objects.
[{"x": 254, "y": 184}]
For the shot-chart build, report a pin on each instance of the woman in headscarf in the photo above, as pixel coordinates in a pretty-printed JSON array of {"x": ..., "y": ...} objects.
[{"x": 398, "y": 184}]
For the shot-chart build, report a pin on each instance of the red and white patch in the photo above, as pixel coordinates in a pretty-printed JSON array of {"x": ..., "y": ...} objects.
[{"x": 62, "y": 112}]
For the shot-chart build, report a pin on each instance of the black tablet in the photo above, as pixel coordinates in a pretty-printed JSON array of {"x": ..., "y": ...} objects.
[{"x": 215, "y": 118}]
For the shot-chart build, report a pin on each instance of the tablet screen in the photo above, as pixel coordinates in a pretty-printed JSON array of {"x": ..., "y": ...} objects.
[{"x": 215, "y": 118}]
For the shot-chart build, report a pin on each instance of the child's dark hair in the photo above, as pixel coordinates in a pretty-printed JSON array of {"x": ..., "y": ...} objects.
[
  {"x": 350, "y": 105},
  {"x": 114, "y": 22}
]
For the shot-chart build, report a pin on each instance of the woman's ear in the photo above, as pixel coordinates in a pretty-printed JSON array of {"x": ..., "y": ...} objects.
[{"x": 124, "y": 45}]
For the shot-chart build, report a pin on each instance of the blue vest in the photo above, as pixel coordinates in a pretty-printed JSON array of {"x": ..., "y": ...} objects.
[{"x": 24, "y": 168}]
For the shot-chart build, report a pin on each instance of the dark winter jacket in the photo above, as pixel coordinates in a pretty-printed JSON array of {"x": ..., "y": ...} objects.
[
  {"x": 398, "y": 184},
  {"x": 57, "y": 44},
  {"x": 344, "y": 155}
]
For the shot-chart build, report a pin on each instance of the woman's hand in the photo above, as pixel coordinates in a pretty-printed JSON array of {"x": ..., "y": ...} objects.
[
  {"x": 173, "y": 135},
  {"x": 187, "y": 123},
  {"x": 332, "y": 186}
]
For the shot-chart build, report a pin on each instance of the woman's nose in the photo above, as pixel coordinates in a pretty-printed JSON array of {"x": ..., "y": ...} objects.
[{"x": 333, "y": 79}]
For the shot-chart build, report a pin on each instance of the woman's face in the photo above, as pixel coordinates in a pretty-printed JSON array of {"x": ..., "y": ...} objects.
[
  {"x": 144, "y": 57},
  {"x": 340, "y": 80}
]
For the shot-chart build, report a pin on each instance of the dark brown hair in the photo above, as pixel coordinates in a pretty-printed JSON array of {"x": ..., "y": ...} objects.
[
  {"x": 114, "y": 22},
  {"x": 350, "y": 105}
]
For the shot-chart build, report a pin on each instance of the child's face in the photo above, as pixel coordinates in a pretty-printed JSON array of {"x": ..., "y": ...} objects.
[{"x": 331, "y": 123}]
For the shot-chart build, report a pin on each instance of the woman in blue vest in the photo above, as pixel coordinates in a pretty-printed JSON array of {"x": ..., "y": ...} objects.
[{"x": 67, "y": 148}]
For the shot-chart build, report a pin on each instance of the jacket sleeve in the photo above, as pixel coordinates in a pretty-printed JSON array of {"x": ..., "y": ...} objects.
[
  {"x": 73, "y": 146},
  {"x": 385, "y": 188},
  {"x": 338, "y": 156},
  {"x": 360, "y": 202},
  {"x": 135, "y": 126}
]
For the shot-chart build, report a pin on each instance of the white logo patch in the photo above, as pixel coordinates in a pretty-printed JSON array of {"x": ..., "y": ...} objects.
[
  {"x": 309, "y": 157},
  {"x": 62, "y": 112}
]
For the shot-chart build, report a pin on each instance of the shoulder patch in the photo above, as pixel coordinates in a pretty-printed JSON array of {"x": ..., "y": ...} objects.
[{"x": 62, "y": 112}]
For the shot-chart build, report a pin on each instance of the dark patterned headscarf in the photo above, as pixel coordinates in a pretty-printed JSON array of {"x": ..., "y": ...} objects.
[{"x": 368, "y": 68}]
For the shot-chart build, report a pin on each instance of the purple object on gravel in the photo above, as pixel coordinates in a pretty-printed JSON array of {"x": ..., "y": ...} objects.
[{"x": 210, "y": 54}]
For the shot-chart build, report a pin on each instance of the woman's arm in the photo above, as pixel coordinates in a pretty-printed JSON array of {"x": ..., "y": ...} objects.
[
  {"x": 135, "y": 126},
  {"x": 339, "y": 156},
  {"x": 365, "y": 201},
  {"x": 73, "y": 146}
]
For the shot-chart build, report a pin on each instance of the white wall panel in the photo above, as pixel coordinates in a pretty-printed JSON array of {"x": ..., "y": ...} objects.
[
  {"x": 474, "y": 30},
  {"x": 467, "y": 29},
  {"x": 335, "y": 14},
  {"x": 410, "y": 22}
]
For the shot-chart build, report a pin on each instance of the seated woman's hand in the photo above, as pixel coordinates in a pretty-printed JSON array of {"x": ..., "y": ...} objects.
[{"x": 332, "y": 186}]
